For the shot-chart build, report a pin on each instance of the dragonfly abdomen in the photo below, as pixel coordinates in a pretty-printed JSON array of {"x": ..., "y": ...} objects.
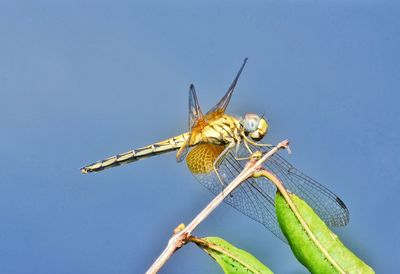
[{"x": 165, "y": 146}]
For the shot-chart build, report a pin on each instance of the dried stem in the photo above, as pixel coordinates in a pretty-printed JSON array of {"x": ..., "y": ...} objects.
[{"x": 180, "y": 238}]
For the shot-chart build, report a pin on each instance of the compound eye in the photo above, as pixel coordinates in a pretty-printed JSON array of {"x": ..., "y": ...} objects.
[
  {"x": 251, "y": 122},
  {"x": 261, "y": 130}
]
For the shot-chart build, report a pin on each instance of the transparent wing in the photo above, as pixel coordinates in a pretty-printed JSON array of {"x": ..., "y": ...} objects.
[
  {"x": 255, "y": 198},
  {"x": 183, "y": 151},
  {"x": 325, "y": 203},
  {"x": 220, "y": 108},
  {"x": 196, "y": 118},
  {"x": 195, "y": 113}
]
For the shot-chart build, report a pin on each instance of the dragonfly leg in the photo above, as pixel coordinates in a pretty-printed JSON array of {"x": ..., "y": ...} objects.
[
  {"x": 237, "y": 150},
  {"x": 246, "y": 139},
  {"x": 247, "y": 146},
  {"x": 218, "y": 161}
]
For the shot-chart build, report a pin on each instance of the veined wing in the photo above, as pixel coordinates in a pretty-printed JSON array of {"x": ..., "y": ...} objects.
[
  {"x": 255, "y": 198},
  {"x": 195, "y": 113},
  {"x": 196, "y": 121},
  {"x": 219, "y": 109},
  {"x": 325, "y": 203}
]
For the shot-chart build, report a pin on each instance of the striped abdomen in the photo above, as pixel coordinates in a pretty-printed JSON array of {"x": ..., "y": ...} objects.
[{"x": 168, "y": 145}]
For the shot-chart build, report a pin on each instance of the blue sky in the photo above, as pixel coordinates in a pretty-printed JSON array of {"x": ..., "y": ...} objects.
[{"x": 86, "y": 80}]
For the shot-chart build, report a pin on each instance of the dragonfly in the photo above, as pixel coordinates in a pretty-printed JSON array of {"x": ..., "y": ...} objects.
[{"x": 216, "y": 148}]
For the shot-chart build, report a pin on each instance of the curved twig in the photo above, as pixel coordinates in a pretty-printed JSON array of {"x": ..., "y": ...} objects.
[{"x": 181, "y": 234}]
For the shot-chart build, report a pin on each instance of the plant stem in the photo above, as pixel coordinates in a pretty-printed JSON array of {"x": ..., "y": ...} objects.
[{"x": 180, "y": 238}]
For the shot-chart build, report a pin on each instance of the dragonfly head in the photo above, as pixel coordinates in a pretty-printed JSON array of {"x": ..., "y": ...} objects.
[{"x": 254, "y": 126}]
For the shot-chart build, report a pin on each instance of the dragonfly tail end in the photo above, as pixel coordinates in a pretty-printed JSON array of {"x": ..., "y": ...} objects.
[{"x": 84, "y": 170}]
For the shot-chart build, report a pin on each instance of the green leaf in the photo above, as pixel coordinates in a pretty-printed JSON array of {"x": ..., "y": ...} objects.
[
  {"x": 229, "y": 257},
  {"x": 306, "y": 250}
]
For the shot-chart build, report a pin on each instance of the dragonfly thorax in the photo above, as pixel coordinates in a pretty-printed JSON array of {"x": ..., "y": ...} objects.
[
  {"x": 224, "y": 130},
  {"x": 228, "y": 129}
]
